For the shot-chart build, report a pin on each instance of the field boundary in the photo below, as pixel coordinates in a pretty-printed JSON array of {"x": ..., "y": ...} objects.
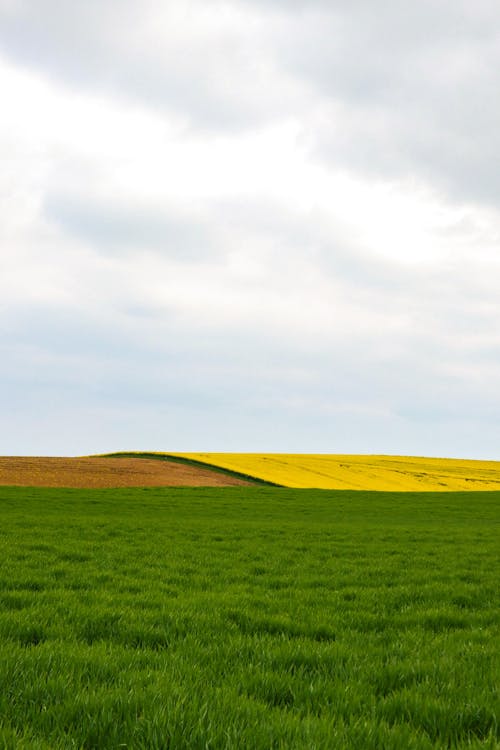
[{"x": 192, "y": 462}]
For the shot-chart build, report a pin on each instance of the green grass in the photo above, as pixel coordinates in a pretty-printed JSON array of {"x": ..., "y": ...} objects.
[{"x": 248, "y": 618}]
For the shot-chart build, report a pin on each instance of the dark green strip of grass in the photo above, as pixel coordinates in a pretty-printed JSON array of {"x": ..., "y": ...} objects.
[{"x": 248, "y": 618}]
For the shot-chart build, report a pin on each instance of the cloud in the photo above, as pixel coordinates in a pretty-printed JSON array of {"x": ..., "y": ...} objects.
[
  {"x": 120, "y": 228},
  {"x": 202, "y": 61},
  {"x": 402, "y": 90},
  {"x": 389, "y": 91},
  {"x": 267, "y": 228}
]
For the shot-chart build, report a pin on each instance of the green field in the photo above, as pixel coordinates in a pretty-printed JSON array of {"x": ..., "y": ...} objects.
[{"x": 248, "y": 618}]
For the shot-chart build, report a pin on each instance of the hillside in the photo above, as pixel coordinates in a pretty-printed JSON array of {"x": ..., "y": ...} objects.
[
  {"x": 359, "y": 472},
  {"x": 321, "y": 471},
  {"x": 98, "y": 472}
]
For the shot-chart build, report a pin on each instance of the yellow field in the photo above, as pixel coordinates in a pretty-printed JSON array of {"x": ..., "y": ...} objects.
[{"x": 392, "y": 473}]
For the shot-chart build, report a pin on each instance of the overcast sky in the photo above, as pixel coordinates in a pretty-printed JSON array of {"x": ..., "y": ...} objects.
[{"x": 254, "y": 225}]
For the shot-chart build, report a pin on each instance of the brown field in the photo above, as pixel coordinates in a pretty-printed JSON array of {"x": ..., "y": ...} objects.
[{"x": 91, "y": 473}]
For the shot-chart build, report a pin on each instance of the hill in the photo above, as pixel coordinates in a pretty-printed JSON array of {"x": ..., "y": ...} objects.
[
  {"x": 358, "y": 472},
  {"x": 92, "y": 472}
]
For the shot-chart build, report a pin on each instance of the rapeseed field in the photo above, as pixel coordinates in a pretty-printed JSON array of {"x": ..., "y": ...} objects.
[{"x": 358, "y": 472}]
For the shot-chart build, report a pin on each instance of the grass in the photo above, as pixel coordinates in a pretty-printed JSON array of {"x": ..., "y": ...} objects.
[
  {"x": 359, "y": 472},
  {"x": 248, "y": 618}
]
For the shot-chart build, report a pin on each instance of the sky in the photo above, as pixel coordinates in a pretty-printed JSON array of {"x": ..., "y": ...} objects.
[{"x": 254, "y": 225}]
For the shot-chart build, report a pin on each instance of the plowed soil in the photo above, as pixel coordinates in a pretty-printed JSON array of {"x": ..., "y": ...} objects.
[{"x": 108, "y": 472}]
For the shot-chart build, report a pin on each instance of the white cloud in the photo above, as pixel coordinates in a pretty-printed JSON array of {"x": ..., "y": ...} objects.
[{"x": 233, "y": 250}]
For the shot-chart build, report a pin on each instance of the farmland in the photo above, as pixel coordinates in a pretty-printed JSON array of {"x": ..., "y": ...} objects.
[
  {"x": 359, "y": 472},
  {"x": 97, "y": 472},
  {"x": 248, "y": 617}
]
